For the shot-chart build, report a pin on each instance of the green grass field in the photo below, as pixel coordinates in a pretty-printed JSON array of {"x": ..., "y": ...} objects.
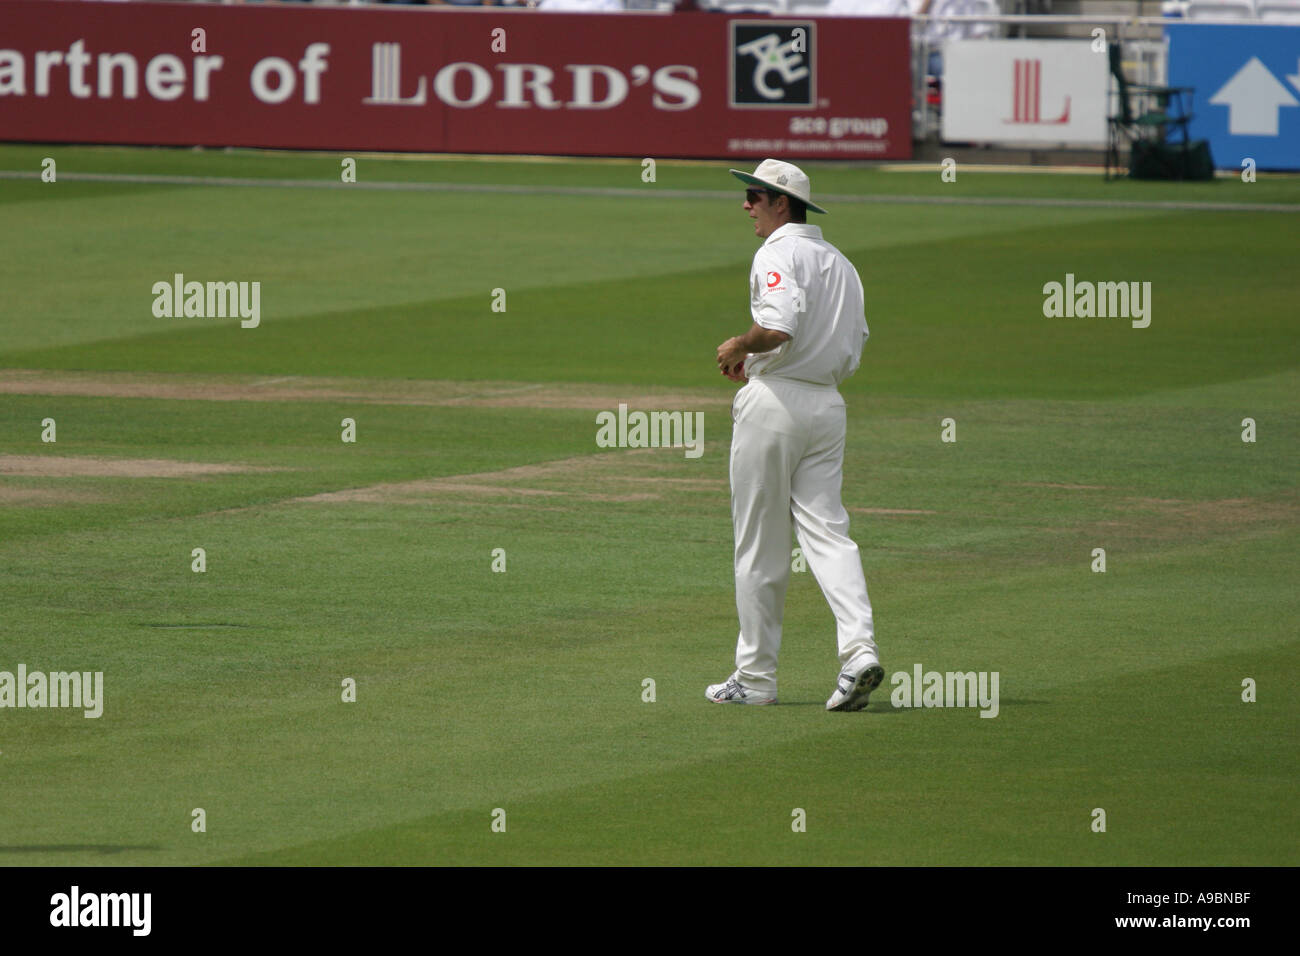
[{"x": 475, "y": 431}]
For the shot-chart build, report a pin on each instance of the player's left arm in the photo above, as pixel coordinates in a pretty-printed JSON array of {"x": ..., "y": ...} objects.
[
  {"x": 760, "y": 339},
  {"x": 775, "y": 314},
  {"x": 731, "y": 353}
]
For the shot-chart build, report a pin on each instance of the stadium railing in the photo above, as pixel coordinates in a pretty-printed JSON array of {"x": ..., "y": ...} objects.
[{"x": 1278, "y": 11}]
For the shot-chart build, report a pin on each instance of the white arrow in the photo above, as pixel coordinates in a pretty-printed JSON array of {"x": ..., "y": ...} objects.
[
  {"x": 1253, "y": 97},
  {"x": 1295, "y": 80}
]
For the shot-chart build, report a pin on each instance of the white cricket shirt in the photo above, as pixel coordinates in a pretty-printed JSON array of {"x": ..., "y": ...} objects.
[{"x": 802, "y": 285}]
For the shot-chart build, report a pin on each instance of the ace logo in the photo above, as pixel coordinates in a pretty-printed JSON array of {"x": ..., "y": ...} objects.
[{"x": 773, "y": 64}]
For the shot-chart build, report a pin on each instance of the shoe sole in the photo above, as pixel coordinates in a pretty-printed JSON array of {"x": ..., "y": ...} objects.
[
  {"x": 858, "y": 698},
  {"x": 751, "y": 703}
]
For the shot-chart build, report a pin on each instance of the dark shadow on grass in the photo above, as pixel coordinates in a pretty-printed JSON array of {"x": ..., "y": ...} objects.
[
  {"x": 190, "y": 627},
  {"x": 103, "y": 849},
  {"x": 800, "y": 703},
  {"x": 1021, "y": 702},
  {"x": 869, "y": 709},
  {"x": 1003, "y": 704}
]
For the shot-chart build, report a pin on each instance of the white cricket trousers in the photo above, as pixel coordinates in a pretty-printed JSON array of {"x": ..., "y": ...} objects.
[{"x": 787, "y": 460}]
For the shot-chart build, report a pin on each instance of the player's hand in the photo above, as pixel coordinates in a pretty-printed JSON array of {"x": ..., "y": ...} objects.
[{"x": 731, "y": 359}]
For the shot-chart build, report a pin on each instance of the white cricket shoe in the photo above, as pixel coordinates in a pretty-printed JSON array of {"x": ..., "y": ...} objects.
[
  {"x": 852, "y": 690},
  {"x": 734, "y": 692}
]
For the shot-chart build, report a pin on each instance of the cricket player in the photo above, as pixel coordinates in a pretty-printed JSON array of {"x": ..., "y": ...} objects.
[{"x": 787, "y": 448}]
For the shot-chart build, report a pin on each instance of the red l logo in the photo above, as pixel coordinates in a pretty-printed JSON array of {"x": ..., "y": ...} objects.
[{"x": 1027, "y": 96}]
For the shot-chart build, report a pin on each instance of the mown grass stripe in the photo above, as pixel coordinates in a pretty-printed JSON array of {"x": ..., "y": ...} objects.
[{"x": 606, "y": 192}]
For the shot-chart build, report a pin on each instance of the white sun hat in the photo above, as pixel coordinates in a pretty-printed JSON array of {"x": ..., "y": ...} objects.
[{"x": 783, "y": 178}]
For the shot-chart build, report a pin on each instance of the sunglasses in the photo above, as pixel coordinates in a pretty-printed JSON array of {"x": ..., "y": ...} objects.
[{"x": 753, "y": 195}]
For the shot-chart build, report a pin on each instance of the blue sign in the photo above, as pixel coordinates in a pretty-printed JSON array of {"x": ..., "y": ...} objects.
[{"x": 1247, "y": 81}]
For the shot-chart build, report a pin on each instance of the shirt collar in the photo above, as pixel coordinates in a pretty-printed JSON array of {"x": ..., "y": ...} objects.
[{"x": 794, "y": 229}]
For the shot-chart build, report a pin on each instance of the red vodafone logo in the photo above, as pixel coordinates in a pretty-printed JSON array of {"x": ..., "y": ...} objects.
[{"x": 773, "y": 280}]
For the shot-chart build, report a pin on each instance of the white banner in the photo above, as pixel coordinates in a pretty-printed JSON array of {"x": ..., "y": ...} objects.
[{"x": 1017, "y": 91}]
